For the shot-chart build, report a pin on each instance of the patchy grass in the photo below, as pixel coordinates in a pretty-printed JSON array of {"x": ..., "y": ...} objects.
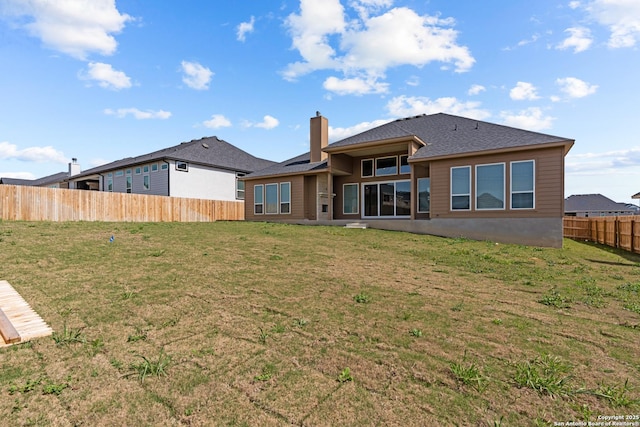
[{"x": 255, "y": 324}]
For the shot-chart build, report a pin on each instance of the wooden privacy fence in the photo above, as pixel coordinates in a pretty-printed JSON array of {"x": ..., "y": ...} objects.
[
  {"x": 25, "y": 203},
  {"x": 617, "y": 231}
]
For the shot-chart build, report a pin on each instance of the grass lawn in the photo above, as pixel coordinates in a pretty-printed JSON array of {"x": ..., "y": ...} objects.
[{"x": 234, "y": 323}]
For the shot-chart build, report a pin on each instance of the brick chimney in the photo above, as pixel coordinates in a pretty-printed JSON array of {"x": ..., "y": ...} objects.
[{"x": 319, "y": 136}]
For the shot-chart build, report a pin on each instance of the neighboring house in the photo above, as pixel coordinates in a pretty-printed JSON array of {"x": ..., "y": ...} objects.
[
  {"x": 57, "y": 180},
  {"x": 592, "y": 205},
  {"x": 636, "y": 196},
  {"x": 206, "y": 168},
  {"x": 435, "y": 174}
]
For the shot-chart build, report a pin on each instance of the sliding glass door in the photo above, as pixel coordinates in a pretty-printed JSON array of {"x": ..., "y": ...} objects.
[{"x": 387, "y": 199}]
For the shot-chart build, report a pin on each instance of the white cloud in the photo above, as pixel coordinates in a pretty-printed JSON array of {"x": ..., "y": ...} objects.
[
  {"x": 217, "y": 121},
  {"x": 523, "y": 91},
  {"x": 574, "y": 4},
  {"x": 73, "y": 27},
  {"x": 406, "y": 106},
  {"x": 138, "y": 114},
  {"x": 606, "y": 162},
  {"x": 576, "y": 88},
  {"x": 354, "y": 86},
  {"x": 532, "y": 119},
  {"x": 195, "y": 75},
  {"x": 245, "y": 28},
  {"x": 579, "y": 39},
  {"x": 336, "y": 134},
  {"x": 476, "y": 89},
  {"x": 17, "y": 175},
  {"x": 31, "y": 154},
  {"x": 268, "y": 122},
  {"x": 622, "y": 17},
  {"x": 328, "y": 39},
  {"x": 106, "y": 76},
  {"x": 413, "y": 81}
]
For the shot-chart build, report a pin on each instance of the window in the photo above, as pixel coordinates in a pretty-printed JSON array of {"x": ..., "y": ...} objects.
[
  {"x": 109, "y": 184},
  {"x": 258, "y": 199},
  {"x": 145, "y": 182},
  {"x": 271, "y": 198},
  {"x": 128, "y": 171},
  {"x": 182, "y": 166},
  {"x": 129, "y": 184},
  {"x": 522, "y": 185},
  {"x": 424, "y": 194},
  {"x": 386, "y": 166},
  {"x": 490, "y": 186},
  {"x": 350, "y": 199},
  {"x": 404, "y": 165},
  {"x": 387, "y": 199},
  {"x": 138, "y": 170},
  {"x": 164, "y": 166},
  {"x": 367, "y": 168},
  {"x": 461, "y": 188},
  {"x": 119, "y": 173},
  {"x": 145, "y": 169},
  {"x": 154, "y": 167},
  {"x": 285, "y": 197},
  {"x": 239, "y": 187}
]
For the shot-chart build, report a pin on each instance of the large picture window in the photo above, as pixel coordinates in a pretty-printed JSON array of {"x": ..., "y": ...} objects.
[
  {"x": 350, "y": 199},
  {"x": 523, "y": 185},
  {"x": 490, "y": 186},
  {"x": 271, "y": 198},
  {"x": 461, "y": 188},
  {"x": 387, "y": 199},
  {"x": 424, "y": 195},
  {"x": 285, "y": 197},
  {"x": 258, "y": 199}
]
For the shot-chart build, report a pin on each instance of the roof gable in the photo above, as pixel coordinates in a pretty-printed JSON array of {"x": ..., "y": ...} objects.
[{"x": 593, "y": 203}]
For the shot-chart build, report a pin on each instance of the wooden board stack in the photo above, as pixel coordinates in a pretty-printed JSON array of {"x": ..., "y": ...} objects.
[{"x": 18, "y": 321}]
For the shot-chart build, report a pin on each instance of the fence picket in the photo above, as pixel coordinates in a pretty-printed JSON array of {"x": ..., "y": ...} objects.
[{"x": 619, "y": 232}]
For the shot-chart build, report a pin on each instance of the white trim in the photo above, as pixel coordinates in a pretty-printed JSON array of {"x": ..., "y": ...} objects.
[
  {"x": 504, "y": 184},
  {"x": 357, "y": 198},
  {"x": 395, "y": 191},
  {"x": 418, "y": 195},
  {"x": 255, "y": 203},
  {"x": 511, "y": 192},
  {"x": 373, "y": 168},
  {"x": 382, "y": 158},
  {"x": 280, "y": 202},
  {"x": 451, "y": 193},
  {"x": 179, "y": 167},
  {"x": 266, "y": 204}
]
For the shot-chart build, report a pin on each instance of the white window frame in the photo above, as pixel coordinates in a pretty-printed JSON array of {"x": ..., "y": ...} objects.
[
  {"x": 406, "y": 157},
  {"x": 258, "y": 189},
  {"x": 138, "y": 170},
  {"x": 146, "y": 182},
  {"x": 533, "y": 190},
  {"x": 395, "y": 192},
  {"x": 164, "y": 166},
  {"x": 373, "y": 170},
  {"x": 266, "y": 204},
  {"x": 452, "y": 194},
  {"x": 129, "y": 184},
  {"x": 240, "y": 192},
  {"x": 504, "y": 183},
  {"x": 383, "y": 158},
  {"x": 154, "y": 167},
  {"x": 119, "y": 173},
  {"x": 182, "y": 166},
  {"x": 281, "y": 198},
  {"x": 418, "y": 195},
  {"x": 357, "y": 186}
]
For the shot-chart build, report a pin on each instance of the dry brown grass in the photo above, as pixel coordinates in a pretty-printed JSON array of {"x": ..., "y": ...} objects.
[{"x": 259, "y": 320}]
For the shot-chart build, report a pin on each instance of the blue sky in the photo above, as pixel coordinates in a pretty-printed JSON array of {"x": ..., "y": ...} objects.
[{"x": 101, "y": 80}]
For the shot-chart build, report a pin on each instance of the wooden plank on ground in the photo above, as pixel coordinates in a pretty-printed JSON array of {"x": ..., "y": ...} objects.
[{"x": 7, "y": 330}]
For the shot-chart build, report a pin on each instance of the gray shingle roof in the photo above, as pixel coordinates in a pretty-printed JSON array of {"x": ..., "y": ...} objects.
[
  {"x": 46, "y": 180},
  {"x": 299, "y": 164},
  {"x": 593, "y": 203},
  {"x": 209, "y": 151},
  {"x": 444, "y": 134},
  {"x": 447, "y": 135}
]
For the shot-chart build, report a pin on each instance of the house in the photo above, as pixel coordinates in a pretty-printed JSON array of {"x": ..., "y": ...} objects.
[
  {"x": 206, "y": 168},
  {"x": 593, "y": 205},
  {"x": 636, "y": 196},
  {"x": 436, "y": 174},
  {"x": 57, "y": 180}
]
